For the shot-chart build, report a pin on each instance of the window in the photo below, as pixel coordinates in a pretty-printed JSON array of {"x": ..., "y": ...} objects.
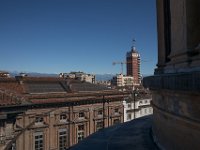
[
  {"x": 116, "y": 111},
  {"x": 80, "y": 133},
  {"x": 145, "y": 110},
  {"x": 129, "y": 105},
  {"x": 81, "y": 115},
  {"x": 141, "y": 112},
  {"x": 128, "y": 116},
  {"x": 39, "y": 120},
  {"x": 63, "y": 118},
  {"x": 13, "y": 146},
  {"x": 39, "y": 145},
  {"x": 99, "y": 125},
  {"x": 62, "y": 139},
  {"x": 116, "y": 121},
  {"x": 100, "y": 112}
]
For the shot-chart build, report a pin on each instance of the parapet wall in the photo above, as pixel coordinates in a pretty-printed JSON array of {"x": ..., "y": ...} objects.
[{"x": 176, "y": 116}]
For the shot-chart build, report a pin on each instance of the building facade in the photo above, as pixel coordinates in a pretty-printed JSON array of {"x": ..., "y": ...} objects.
[
  {"x": 62, "y": 127},
  {"x": 81, "y": 76},
  {"x": 54, "y": 113},
  {"x": 4, "y": 74},
  {"x": 137, "y": 106},
  {"x": 133, "y": 65},
  {"x": 121, "y": 80}
]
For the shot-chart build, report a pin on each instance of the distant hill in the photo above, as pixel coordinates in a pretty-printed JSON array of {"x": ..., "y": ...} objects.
[
  {"x": 104, "y": 77},
  {"x": 34, "y": 74},
  {"x": 99, "y": 77}
]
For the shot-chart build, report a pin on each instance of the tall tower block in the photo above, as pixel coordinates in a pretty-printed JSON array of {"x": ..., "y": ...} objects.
[{"x": 133, "y": 65}]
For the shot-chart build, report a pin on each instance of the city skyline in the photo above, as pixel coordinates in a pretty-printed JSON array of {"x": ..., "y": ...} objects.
[{"x": 64, "y": 36}]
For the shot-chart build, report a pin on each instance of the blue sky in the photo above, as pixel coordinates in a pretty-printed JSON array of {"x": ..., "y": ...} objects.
[{"x": 53, "y": 36}]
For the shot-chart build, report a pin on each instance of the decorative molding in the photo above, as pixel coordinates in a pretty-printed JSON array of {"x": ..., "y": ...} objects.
[{"x": 176, "y": 81}]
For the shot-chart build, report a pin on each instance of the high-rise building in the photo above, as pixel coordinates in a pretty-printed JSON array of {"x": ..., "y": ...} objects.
[{"x": 133, "y": 65}]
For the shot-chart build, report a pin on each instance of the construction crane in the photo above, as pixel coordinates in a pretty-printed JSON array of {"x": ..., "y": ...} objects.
[
  {"x": 125, "y": 62},
  {"x": 121, "y": 63}
]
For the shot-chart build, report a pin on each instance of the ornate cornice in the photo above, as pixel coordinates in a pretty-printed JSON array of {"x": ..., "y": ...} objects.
[{"x": 175, "y": 81}]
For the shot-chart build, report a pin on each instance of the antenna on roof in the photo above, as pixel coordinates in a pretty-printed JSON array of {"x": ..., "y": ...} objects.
[{"x": 134, "y": 41}]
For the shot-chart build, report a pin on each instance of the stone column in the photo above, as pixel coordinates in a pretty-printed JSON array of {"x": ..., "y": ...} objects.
[
  {"x": 193, "y": 32},
  {"x": 161, "y": 39},
  {"x": 179, "y": 50}
]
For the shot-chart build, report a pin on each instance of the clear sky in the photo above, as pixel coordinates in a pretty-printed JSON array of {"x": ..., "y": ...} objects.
[{"x": 53, "y": 36}]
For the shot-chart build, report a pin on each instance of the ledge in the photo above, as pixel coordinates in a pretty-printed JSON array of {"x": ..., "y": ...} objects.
[
  {"x": 176, "y": 81},
  {"x": 135, "y": 134}
]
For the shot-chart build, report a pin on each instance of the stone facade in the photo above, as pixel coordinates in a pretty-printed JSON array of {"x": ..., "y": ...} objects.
[
  {"x": 68, "y": 119},
  {"x": 175, "y": 86},
  {"x": 44, "y": 113}
]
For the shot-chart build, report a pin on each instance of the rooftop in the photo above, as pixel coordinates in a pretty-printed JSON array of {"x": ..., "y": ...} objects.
[
  {"x": 135, "y": 134},
  {"x": 40, "y": 90}
]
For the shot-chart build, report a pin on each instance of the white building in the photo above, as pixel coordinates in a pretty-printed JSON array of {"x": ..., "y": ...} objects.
[
  {"x": 122, "y": 80},
  {"x": 4, "y": 74},
  {"x": 139, "y": 107},
  {"x": 79, "y": 76}
]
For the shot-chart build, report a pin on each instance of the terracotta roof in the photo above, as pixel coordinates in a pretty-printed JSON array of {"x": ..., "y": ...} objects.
[
  {"x": 10, "y": 84},
  {"x": 44, "y": 87},
  {"x": 85, "y": 87},
  {"x": 37, "y": 90}
]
